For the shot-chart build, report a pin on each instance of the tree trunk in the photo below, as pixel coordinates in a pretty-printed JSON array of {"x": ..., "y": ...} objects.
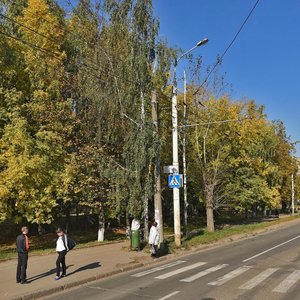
[
  {"x": 210, "y": 218},
  {"x": 67, "y": 219},
  {"x": 40, "y": 229},
  {"x": 254, "y": 212},
  {"x": 209, "y": 209},
  {"x": 128, "y": 229},
  {"x": 263, "y": 211},
  {"x": 101, "y": 228},
  {"x": 157, "y": 184},
  {"x": 146, "y": 219},
  {"x": 246, "y": 214},
  {"x": 77, "y": 217},
  {"x": 127, "y": 219}
]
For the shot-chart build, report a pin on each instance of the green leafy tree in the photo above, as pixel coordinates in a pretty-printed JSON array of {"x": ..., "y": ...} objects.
[{"x": 38, "y": 115}]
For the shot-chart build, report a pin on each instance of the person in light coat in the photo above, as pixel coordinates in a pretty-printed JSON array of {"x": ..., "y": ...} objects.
[{"x": 153, "y": 239}]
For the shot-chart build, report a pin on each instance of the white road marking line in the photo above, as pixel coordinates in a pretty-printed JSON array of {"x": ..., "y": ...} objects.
[
  {"x": 229, "y": 276},
  {"x": 203, "y": 273},
  {"x": 158, "y": 268},
  {"x": 181, "y": 270},
  {"x": 288, "y": 282},
  {"x": 168, "y": 296},
  {"x": 261, "y": 253},
  {"x": 258, "y": 279}
]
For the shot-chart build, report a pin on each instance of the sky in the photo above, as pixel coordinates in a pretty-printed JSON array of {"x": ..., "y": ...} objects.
[{"x": 263, "y": 64}]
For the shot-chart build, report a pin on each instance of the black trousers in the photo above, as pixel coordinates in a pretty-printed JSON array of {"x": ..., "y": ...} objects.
[
  {"x": 22, "y": 266},
  {"x": 153, "y": 249},
  {"x": 61, "y": 260}
]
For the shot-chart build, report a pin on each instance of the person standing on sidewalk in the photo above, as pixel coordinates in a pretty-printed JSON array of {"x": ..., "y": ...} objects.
[
  {"x": 22, "y": 249},
  {"x": 153, "y": 239},
  {"x": 61, "y": 249}
]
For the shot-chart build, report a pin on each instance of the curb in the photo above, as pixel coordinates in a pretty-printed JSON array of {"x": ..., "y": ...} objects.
[{"x": 67, "y": 286}]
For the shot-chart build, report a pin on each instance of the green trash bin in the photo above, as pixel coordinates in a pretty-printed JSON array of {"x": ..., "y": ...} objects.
[{"x": 135, "y": 239}]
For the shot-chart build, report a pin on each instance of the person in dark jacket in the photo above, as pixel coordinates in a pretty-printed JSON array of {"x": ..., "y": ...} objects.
[{"x": 22, "y": 249}]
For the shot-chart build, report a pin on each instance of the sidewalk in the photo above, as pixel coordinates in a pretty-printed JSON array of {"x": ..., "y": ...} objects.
[{"x": 83, "y": 265}]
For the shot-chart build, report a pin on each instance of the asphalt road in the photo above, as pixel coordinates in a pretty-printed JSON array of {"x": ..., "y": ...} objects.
[{"x": 266, "y": 266}]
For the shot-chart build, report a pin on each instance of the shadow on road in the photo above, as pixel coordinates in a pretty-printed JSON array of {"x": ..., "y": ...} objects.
[
  {"x": 53, "y": 271},
  {"x": 86, "y": 267},
  {"x": 45, "y": 274}
]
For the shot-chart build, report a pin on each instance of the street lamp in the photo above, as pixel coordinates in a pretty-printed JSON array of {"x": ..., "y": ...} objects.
[{"x": 176, "y": 194}]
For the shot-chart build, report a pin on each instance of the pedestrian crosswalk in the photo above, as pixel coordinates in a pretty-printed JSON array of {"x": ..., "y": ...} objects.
[
  {"x": 179, "y": 270},
  {"x": 223, "y": 279},
  {"x": 175, "y": 263},
  {"x": 286, "y": 284},
  {"x": 258, "y": 279},
  {"x": 203, "y": 273}
]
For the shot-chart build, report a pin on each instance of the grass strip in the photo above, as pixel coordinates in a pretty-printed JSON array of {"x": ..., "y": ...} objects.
[{"x": 205, "y": 237}]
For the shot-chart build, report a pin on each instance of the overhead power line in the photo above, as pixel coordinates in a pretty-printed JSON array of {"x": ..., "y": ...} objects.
[
  {"x": 53, "y": 54},
  {"x": 90, "y": 66},
  {"x": 26, "y": 27},
  {"x": 220, "y": 59},
  {"x": 216, "y": 122}
]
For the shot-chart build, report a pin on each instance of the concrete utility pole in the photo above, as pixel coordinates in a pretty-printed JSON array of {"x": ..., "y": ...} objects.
[
  {"x": 184, "y": 156},
  {"x": 176, "y": 194}
]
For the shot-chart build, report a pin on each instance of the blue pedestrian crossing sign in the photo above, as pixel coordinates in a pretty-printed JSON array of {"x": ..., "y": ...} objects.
[{"x": 174, "y": 181}]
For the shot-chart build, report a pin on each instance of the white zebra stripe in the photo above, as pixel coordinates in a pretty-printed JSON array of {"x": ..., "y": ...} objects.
[
  {"x": 229, "y": 276},
  {"x": 286, "y": 284},
  {"x": 258, "y": 279},
  {"x": 158, "y": 268},
  {"x": 181, "y": 270},
  {"x": 203, "y": 273}
]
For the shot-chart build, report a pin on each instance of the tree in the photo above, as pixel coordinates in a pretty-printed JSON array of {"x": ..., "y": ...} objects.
[
  {"x": 211, "y": 147},
  {"x": 110, "y": 50},
  {"x": 236, "y": 159},
  {"x": 37, "y": 115}
]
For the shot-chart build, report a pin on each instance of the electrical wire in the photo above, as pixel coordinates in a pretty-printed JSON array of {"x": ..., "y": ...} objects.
[
  {"x": 26, "y": 27},
  {"x": 216, "y": 122},
  {"x": 57, "y": 56},
  {"x": 89, "y": 66},
  {"x": 53, "y": 54},
  {"x": 220, "y": 59}
]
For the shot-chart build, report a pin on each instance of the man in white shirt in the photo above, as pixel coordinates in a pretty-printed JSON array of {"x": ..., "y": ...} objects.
[{"x": 154, "y": 239}]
